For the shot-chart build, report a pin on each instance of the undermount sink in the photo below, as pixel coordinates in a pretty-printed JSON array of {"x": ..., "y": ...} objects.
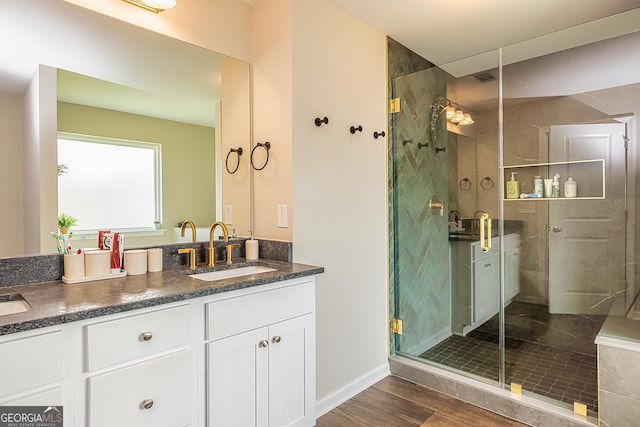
[
  {"x": 12, "y": 304},
  {"x": 232, "y": 272}
]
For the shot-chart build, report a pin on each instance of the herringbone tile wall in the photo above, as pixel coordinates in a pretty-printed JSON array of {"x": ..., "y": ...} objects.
[{"x": 420, "y": 234}]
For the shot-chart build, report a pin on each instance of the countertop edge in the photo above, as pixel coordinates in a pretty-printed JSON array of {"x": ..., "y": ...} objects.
[{"x": 31, "y": 320}]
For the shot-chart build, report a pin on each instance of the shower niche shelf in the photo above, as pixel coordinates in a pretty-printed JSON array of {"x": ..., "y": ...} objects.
[{"x": 589, "y": 174}]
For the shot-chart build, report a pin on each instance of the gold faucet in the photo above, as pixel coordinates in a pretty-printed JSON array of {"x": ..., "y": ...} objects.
[
  {"x": 193, "y": 229},
  {"x": 191, "y": 251},
  {"x": 225, "y": 235},
  {"x": 192, "y": 256}
]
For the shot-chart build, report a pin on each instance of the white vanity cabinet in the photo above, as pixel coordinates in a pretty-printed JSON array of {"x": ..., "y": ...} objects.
[
  {"x": 32, "y": 368},
  {"x": 244, "y": 357},
  {"x": 261, "y": 358},
  {"x": 511, "y": 266},
  {"x": 139, "y": 369},
  {"x": 475, "y": 284},
  {"x": 475, "y": 280}
]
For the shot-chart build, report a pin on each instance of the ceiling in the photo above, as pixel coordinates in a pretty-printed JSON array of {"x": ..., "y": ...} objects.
[{"x": 449, "y": 30}]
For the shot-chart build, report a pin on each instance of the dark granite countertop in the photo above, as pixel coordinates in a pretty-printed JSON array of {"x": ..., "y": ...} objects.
[
  {"x": 55, "y": 302},
  {"x": 510, "y": 227}
]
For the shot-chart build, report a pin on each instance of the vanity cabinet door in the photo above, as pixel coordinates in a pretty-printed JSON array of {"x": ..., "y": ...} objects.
[
  {"x": 511, "y": 266},
  {"x": 238, "y": 380},
  {"x": 31, "y": 362},
  {"x": 264, "y": 377},
  {"x": 485, "y": 289},
  {"x": 153, "y": 393},
  {"x": 292, "y": 393}
]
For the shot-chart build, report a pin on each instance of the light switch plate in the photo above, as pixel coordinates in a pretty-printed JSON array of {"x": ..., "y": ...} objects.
[
  {"x": 228, "y": 214},
  {"x": 282, "y": 216}
]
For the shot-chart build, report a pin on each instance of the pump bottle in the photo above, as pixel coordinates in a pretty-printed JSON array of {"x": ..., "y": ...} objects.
[{"x": 513, "y": 187}]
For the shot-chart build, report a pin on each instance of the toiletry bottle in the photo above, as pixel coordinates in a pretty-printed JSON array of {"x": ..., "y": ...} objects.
[
  {"x": 513, "y": 187},
  {"x": 251, "y": 248},
  {"x": 555, "y": 186},
  {"x": 537, "y": 185},
  {"x": 570, "y": 188}
]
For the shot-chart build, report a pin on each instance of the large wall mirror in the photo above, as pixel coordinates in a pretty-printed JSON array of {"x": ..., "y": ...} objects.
[{"x": 67, "y": 69}]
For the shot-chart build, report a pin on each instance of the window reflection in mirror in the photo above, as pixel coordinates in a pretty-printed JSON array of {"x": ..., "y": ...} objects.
[{"x": 109, "y": 184}]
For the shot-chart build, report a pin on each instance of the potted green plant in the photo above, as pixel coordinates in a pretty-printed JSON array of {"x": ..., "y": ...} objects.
[{"x": 65, "y": 221}]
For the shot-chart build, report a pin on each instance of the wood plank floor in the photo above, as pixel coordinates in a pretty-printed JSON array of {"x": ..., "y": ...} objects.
[{"x": 393, "y": 402}]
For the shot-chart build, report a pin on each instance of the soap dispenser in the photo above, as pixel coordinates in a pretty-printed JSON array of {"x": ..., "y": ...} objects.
[
  {"x": 251, "y": 248},
  {"x": 513, "y": 187}
]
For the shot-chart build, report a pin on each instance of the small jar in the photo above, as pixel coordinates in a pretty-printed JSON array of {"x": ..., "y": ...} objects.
[{"x": 570, "y": 188}]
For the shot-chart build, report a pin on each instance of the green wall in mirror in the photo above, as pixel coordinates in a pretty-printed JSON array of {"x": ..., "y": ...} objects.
[{"x": 116, "y": 67}]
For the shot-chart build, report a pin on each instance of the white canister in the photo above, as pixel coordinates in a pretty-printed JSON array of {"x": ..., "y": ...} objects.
[
  {"x": 251, "y": 249},
  {"x": 154, "y": 259},
  {"x": 570, "y": 188},
  {"x": 97, "y": 263},
  {"x": 74, "y": 266},
  {"x": 135, "y": 261}
]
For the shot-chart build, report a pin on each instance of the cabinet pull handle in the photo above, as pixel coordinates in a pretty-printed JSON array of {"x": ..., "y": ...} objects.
[
  {"x": 485, "y": 245},
  {"x": 276, "y": 339},
  {"x": 263, "y": 344},
  {"x": 147, "y": 403},
  {"x": 146, "y": 336}
]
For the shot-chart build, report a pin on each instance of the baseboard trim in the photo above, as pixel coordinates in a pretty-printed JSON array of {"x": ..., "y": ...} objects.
[{"x": 345, "y": 393}]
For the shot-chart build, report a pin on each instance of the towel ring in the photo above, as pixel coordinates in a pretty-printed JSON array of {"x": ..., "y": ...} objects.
[
  {"x": 226, "y": 163},
  {"x": 267, "y": 147},
  {"x": 465, "y": 184},
  {"x": 486, "y": 183}
]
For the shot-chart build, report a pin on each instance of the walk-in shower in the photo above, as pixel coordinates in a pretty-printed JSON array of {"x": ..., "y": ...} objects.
[{"x": 513, "y": 291}]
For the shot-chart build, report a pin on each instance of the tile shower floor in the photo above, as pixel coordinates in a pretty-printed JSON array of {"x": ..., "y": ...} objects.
[{"x": 541, "y": 362}]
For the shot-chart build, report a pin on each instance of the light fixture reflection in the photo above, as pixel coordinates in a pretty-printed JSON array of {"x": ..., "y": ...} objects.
[
  {"x": 155, "y": 6},
  {"x": 449, "y": 112},
  {"x": 452, "y": 112},
  {"x": 467, "y": 120}
]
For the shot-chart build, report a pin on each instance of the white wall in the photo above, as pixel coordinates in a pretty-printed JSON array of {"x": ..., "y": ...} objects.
[
  {"x": 40, "y": 165},
  {"x": 11, "y": 117},
  {"x": 223, "y": 26},
  {"x": 339, "y": 192},
  {"x": 272, "y": 114}
]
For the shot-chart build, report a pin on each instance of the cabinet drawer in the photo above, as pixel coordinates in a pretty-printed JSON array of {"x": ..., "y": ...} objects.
[
  {"x": 116, "y": 341},
  {"x": 47, "y": 397},
  {"x": 243, "y": 313},
  {"x": 30, "y": 362},
  {"x": 118, "y": 398}
]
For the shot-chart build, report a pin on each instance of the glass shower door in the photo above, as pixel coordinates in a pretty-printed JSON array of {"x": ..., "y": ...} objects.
[{"x": 445, "y": 228}]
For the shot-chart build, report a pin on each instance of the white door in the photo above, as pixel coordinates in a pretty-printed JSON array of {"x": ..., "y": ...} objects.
[{"x": 587, "y": 237}]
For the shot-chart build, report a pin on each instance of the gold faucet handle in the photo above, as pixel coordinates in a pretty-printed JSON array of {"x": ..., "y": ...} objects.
[
  {"x": 230, "y": 251},
  {"x": 192, "y": 256}
]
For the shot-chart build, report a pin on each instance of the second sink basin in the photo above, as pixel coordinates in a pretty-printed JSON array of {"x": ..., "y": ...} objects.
[
  {"x": 232, "y": 272},
  {"x": 12, "y": 304}
]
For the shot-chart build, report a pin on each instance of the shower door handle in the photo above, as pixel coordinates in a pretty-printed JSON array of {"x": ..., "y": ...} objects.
[{"x": 485, "y": 235}]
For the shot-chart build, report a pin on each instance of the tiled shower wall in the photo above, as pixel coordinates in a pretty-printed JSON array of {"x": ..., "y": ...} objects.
[{"x": 419, "y": 291}]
